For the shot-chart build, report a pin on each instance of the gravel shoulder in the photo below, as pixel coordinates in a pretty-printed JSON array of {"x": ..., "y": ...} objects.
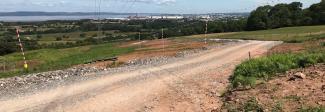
[{"x": 168, "y": 86}]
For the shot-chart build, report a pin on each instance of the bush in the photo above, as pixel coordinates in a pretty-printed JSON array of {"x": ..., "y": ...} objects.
[
  {"x": 277, "y": 107},
  {"x": 293, "y": 41},
  {"x": 264, "y": 68},
  {"x": 39, "y": 36},
  {"x": 83, "y": 35},
  {"x": 58, "y": 38}
]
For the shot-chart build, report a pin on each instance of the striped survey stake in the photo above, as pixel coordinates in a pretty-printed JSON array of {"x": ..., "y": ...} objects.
[{"x": 22, "y": 49}]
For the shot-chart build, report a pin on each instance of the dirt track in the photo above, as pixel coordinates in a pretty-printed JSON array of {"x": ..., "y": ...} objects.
[{"x": 190, "y": 84}]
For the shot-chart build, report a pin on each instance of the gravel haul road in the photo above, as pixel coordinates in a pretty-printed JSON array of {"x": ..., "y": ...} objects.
[{"x": 192, "y": 84}]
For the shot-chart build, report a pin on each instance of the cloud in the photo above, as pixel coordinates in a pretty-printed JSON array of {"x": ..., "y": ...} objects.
[
  {"x": 35, "y": 3},
  {"x": 273, "y": 2},
  {"x": 50, "y": 4},
  {"x": 158, "y": 2}
]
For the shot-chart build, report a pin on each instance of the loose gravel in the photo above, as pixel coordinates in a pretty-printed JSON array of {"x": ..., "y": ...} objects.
[{"x": 28, "y": 83}]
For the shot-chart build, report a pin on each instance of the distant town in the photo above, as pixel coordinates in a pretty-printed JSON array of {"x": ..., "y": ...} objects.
[
  {"x": 215, "y": 16},
  {"x": 44, "y": 16}
]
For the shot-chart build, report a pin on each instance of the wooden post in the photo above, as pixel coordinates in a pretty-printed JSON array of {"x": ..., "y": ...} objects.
[
  {"x": 140, "y": 44},
  {"x": 162, "y": 37},
  {"x": 206, "y": 31},
  {"x": 249, "y": 55}
]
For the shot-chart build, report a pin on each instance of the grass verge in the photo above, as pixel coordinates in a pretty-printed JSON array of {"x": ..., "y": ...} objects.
[
  {"x": 288, "y": 34},
  {"x": 54, "y": 59},
  {"x": 247, "y": 73}
]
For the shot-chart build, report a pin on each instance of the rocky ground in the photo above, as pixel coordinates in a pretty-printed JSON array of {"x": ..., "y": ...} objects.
[{"x": 295, "y": 90}]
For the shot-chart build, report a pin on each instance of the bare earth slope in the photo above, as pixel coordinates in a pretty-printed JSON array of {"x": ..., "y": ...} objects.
[{"x": 190, "y": 84}]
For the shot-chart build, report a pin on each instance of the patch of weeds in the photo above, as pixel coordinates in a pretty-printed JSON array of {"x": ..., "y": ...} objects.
[
  {"x": 252, "y": 106},
  {"x": 277, "y": 107},
  {"x": 115, "y": 64},
  {"x": 307, "y": 61},
  {"x": 230, "y": 108},
  {"x": 247, "y": 73},
  {"x": 244, "y": 81},
  {"x": 322, "y": 44},
  {"x": 313, "y": 109},
  {"x": 275, "y": 88},
  {"x": 293, "y": 97}
]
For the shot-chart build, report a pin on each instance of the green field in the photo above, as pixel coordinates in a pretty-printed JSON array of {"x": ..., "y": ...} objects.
[
  {"x": 290, "y": 34},
  {"x": 73, "y": 36},
  {"x": 53, "y": 59}
]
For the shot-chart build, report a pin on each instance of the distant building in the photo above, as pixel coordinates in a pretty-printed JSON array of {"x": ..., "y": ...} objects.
[
  {"x": 172, "y": 17},
  {"x": 155, "y": 17}
]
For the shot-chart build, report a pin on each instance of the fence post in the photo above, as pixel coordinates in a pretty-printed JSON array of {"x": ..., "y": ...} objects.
[
  {"x": 2, "y": 63},
  {"x": 249, "y": 55},
  {"x": 4, "y": 66}
]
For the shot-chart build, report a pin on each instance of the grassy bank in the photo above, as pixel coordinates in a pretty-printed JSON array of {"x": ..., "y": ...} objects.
[
  {"x": 54, "y": 59},
  {"x": 289, "y": 34},
  {"x": 265, "y": 68}
]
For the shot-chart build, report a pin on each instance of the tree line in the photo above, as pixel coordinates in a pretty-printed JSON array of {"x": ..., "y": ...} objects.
[
  {"x": 150, "y": 29},
  {"x": 286, "y": 15}
]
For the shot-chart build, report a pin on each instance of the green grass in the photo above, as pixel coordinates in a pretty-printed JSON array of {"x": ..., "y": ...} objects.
[
  {"x": 282, "y": 34},
  {"x": 265, "y": 68},
  {"x": 252, "y": 106},
  {"x": 313, "y": 109},
  {"x": 50, "y": 42},
  {"x": 53, "y": 59},
  {"x": 289, "y": 34},
  {"x": 72, "y": 36}
]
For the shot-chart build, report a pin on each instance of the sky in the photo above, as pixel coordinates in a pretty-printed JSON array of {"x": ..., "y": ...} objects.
[{"x": 142, "y": 6}]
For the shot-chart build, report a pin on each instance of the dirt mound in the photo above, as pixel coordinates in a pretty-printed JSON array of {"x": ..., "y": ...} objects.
[{"x": 292, "y": 91}]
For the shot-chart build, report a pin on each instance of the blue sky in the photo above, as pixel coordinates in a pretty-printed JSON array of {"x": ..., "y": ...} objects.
[{"x": 141, "y": 6}]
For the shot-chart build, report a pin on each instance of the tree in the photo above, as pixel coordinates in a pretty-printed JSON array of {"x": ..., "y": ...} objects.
[
  {"x": 297, "y": 13},
  {"x": 280, "y": 16},
  {"x": 83, "y": 35},
  {"x": 259, "y": 20},
  {"x": 58, "y": 38},
  {"x": 317, "y": 12},
  {"x": 7, "y": 45},
  {"x": 39, "y": 36},
  {"x": 94, "y": 35}
]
